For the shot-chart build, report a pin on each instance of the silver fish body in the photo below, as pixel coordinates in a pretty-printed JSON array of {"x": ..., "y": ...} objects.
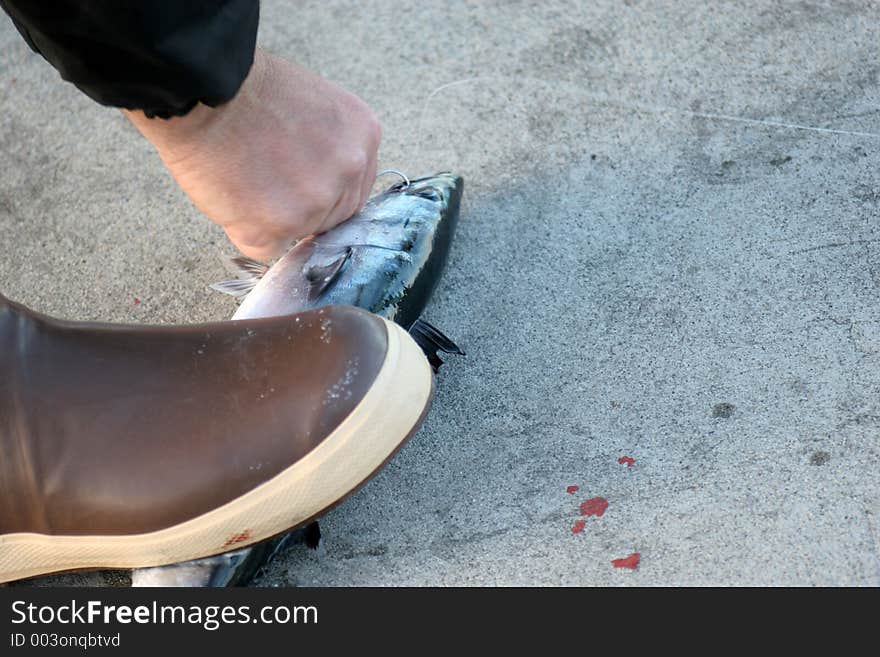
[
  {"x": 386, "y": 259},
  {"x": 227, "y": 569}
]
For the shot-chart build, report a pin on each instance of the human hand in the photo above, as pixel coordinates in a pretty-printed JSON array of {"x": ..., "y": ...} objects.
[{"x": 291, "y": 155}]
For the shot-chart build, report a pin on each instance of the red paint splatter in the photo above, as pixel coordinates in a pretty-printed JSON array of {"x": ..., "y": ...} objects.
[
  {"x": 631, "y": 562},
  {"x": 571, "y": 490},
  {"x": 595, "y": 506},
  {"x": 238, "y": 538},
  {"x": 626, "y": 459},
  {"x": 578, "y": 526},
  {"x": 137, "y": 301}
]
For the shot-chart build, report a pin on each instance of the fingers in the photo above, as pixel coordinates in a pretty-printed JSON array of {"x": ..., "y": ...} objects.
[
  {"x": 270, "y": 235},
  {"x": 356, "y": 190},
  {"x": 345, "y": 207}
]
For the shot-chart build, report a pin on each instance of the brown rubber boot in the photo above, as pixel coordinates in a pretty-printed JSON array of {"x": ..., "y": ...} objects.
[{"x": 131, "y": 446}]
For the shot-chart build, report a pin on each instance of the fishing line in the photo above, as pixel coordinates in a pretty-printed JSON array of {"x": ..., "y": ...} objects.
[{"x": 634, "y": 107}]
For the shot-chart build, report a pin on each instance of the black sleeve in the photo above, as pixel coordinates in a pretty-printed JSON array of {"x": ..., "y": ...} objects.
[{"x": 159, "y": 56}]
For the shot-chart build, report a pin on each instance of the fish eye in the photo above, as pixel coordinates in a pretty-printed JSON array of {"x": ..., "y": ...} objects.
[{"x": 427, "y": 193}]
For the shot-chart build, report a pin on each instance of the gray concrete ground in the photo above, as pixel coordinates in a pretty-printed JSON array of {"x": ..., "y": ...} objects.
[{"x": 649, "y": 264}]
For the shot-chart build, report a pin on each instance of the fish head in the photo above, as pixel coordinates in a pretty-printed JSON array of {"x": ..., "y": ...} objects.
[
  {"x": 443, "y": 189},
  {"x": 430, "y": 207}
]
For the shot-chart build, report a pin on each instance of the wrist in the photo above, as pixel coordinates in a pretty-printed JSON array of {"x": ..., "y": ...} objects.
[{"x": 174, "y": 137}]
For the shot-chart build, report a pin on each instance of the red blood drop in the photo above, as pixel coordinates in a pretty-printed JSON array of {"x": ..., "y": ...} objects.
[
  {"x": 578, "y": 526},
  {"x": 626, "y": 459},
  {"x": 595, "y": 506},
  {"x": 137, "y": 301},
  {"x": 631, "y": 562},
  {"x": 572, "y": 489}
]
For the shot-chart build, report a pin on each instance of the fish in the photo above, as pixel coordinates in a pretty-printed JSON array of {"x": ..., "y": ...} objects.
[
  {"x": 235, "y": 568},
  {"x": 386, "y": 259}
]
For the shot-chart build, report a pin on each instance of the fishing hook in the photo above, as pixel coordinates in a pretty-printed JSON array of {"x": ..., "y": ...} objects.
[{"x": 406, "y": 181}]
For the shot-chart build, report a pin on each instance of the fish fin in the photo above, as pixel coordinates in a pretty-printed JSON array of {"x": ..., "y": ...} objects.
[
  {"x": 237, "y": 288},
  {"x": 320, "y": 277},
  {"x": 431, "y": 340},
  {"x": 312, "y": 535},
  {"x": 248, "y": 273},
  {"x": 246, "y": 268}
]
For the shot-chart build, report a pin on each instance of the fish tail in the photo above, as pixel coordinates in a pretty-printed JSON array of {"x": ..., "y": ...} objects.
[{"x": 432, "y": 340}]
